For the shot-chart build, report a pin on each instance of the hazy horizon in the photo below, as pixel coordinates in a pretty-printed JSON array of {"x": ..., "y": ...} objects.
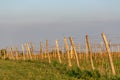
[{"x": 28, "y": 20}]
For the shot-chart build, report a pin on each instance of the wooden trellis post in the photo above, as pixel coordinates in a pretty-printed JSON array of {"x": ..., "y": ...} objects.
[
  {"x": 32, "y": 47},
  {"x": 86, "y": 52},
  {"x": 16, "y": 53},
  {"x": 23, "y": 52},
  {"x": 45, "y": 54},
  {"x": 109, "y": 53},
  {"x": 4, "y": 54},
  {"x": 7, "y": 54},
  {"x": 89, "y": 52},
  {"x": 62, "y": 53},
  {"x": 74, "y": 49},
  {"x": 101, "y": 51},
  {"x": 67, "y": 49},
  {"x": 47, "y": 51},
  {"x": 41, "y": 50},
  {"x": 29, "y": 52},
  {"x": 26, "y": 50},
  {"x": 58, "y": 53},
  {"x": 12, "y": 54},
  {"x": 71, "y": 53},
  {"x": 80, "y": 55},
  {"x": 55, "y": 52}
]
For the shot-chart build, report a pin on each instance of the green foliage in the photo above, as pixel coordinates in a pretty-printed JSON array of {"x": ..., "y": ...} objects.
[
  {"x": 54, "y": 63},
  {"x": 38, "y": 70},
  {"x": 85, "y": 74}
]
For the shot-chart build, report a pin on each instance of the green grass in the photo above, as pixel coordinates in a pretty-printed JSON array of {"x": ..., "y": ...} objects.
[{"x": 38, "y": 70}]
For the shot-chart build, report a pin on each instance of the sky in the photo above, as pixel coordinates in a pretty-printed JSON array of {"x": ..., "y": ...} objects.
[{"x": 37, "y": 20}]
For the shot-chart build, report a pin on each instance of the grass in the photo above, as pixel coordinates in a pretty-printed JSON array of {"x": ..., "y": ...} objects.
[{"x": 38, "y": 70}]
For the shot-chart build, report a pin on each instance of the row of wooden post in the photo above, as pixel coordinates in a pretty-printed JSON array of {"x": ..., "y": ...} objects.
[
  {"x": 90, "y": 52},
  {"x": 88, "y": 49},
  {"x": 27, "y": 52},
  {"x": 14, "y": 53}
]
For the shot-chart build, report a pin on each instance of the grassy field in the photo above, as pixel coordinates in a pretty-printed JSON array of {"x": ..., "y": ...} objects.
[{"x": 38, "y": 70}]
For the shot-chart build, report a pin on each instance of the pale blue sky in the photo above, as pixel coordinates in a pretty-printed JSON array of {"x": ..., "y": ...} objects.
[{"x": 35, "y": 20}]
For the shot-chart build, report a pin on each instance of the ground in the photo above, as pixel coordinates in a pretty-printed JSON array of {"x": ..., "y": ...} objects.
[{"x": 38, "y": 70}]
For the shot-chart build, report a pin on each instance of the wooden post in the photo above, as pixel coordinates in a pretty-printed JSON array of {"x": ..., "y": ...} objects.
[
  {"x": 74, "y": 49},
  {"x": 16, "y": 53},
  {"x": 53, "y": 53},
  {"x": 47, "y": 51},
  {"x": 109, "y": 53},
  {"x": 4, "y": 54},
  {"x": 80, "y": 55},
  {"x": 7, "y": 56},
  {"x": 55, "y": 56},
  {"x": 79, "y": 48},
  {"x": 32, "y": 47},
  {"x": 23, "y": 53},
  {"x": 90, "y": 52},
  {"x": 29, "y": 52},
  {"x": 41, "y": 50},
  {"x": 58, "y": 53},
  {"x": 71, "y": 53},
  {"x": 62, "y": 52},
  {"x": 86, "y": 52},
  {"x": 45, "y": 55},
  {"x": 26, "y": 50},
  {"x": 67, "y": 49},
  {"x": 8, "y": 53},
  {"x": 12, "y": 52}
]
